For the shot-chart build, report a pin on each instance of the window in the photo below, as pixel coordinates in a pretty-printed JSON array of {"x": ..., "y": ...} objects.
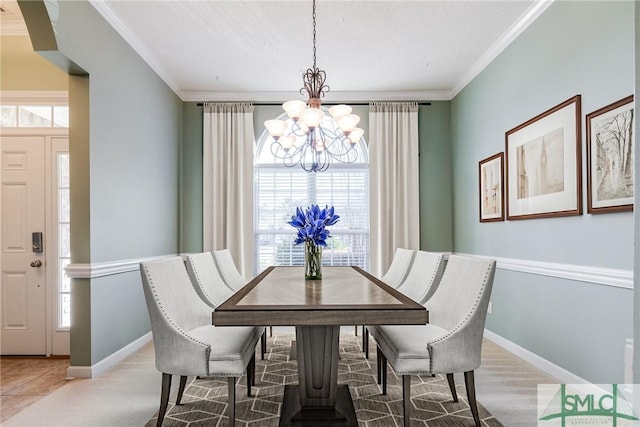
[
  {"x": 64, "y": 242},
  {"x": 278, "y": 190},
  {"x": 34, "y": 116}
]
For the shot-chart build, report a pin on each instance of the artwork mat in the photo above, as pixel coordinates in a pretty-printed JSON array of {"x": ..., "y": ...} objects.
[
  {"x": 494, "y": 162},
  {"x": 567, "y": 202},
  {"x": 611, "y": 205}
]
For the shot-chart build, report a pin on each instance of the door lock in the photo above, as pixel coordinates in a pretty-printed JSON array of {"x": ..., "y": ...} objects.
[{"x": 36, "y": 263}]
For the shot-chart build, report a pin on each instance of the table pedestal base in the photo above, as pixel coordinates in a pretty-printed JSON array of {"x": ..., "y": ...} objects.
[{"x": 342, "y": 415}]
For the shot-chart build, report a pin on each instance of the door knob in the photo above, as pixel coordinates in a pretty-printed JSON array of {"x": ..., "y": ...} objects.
[{"x": 36, "y": 263}]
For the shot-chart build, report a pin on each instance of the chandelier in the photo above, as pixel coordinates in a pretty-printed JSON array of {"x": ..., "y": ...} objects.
[{"x": 308, "y": 138}]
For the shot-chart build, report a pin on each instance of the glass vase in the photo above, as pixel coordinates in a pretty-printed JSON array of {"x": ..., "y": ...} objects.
[{"x": 312, "y": 261}]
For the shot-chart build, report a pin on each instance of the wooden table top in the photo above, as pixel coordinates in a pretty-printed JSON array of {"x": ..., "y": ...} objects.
[{"x": 280, "y": 296}]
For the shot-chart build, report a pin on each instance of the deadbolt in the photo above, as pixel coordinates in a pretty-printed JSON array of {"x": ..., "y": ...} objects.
[{"x": 36, "y": 263}]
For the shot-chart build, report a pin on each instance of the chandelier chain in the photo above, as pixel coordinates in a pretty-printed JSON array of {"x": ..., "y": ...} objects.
[{"x": 314, "y": 34}]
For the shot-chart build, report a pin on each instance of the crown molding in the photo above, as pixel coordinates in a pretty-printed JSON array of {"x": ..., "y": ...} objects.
[
  {"x": 13, "y": 28},
  {"x": 538, "y": 7},
  {"x": 505, "y": 40},
  {"x": 25, "y": 96},
  {"x": 332, "y": 97},
  {"x": 140, "y": 48}
]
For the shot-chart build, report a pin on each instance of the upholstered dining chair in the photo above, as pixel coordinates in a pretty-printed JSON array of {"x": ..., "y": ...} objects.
[
  {"x": 210, "y": 286},
  {"x": 228, "y": 270},
  {"x": 394, "y": 277},
  {"x": 423, "y": 276},
  {"x": 452, "y": 340},
  {"x": 186, "y": 344},
  {"x": 230, "y": 273},
  {"x": 421, "y": 282},
  {"x": 399, "y": 268}
]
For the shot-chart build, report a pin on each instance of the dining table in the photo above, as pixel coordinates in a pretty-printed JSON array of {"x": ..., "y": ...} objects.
[{"x": 280, "y": 296}]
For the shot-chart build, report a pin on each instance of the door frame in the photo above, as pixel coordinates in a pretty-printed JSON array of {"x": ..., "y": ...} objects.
[{"x": 57, "y": 340}]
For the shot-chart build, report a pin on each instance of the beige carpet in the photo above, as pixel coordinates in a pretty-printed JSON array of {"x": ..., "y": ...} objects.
[
  {"x": 129, "y": 394},
  {"x": 205, "y": 400}
]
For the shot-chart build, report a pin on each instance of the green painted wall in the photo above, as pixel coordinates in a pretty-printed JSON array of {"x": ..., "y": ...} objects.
[
  {"x": 436, "y": 198},
  {"x": 435, "y": 172},
  {"x": 23, "y": 69},
  {"x": 573, "y": 48},
  {"x": 125, "y": 140},
  {"x": 191, "y": 179}
]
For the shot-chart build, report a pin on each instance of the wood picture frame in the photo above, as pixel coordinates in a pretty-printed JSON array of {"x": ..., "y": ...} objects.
[
  {"x": 544, "y": 164},
  {"x": 610, "y": 154},
  {"x": 491, "y": 186}
]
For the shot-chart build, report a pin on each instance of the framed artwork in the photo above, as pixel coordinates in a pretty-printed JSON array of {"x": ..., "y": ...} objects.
[
  {"x": 491, "y": 183},
  {"x": 544, "y": 164},
  {"x": 610, "y": 153}
]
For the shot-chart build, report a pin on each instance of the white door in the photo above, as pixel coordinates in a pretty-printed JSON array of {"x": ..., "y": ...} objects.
[{"x": 23, "y": 293}]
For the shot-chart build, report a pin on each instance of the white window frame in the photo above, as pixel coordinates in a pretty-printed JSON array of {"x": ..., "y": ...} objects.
[{"x": 361, "y": 165}]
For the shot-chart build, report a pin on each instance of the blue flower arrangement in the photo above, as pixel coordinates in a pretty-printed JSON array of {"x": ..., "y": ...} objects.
[
  {"x": 312, "y": 223},
  {"x": 312, "y": 231}
]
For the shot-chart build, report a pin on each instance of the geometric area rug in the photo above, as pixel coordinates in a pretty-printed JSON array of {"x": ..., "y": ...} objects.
[{"x": 204, "y": 402}]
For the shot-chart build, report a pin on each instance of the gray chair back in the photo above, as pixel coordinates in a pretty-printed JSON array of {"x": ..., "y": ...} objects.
[
  {"x": 206, "y": 279},
  {"x": 228, "y": 270},
  {"x": 463, "y": 292},
  {"x": 175, "y": 308},
  {"x": 460, "y": 306},
  {"x": 424, "y": 276},
  {"x": 399, "y": 267}
]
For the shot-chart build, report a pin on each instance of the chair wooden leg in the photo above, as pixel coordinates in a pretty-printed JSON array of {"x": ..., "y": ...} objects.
[
  {"x": 355, "y": 332},
  {"x": 406, "y": 399},
  {"x": 365, "y": 341},
  {"x": 384, "y": 374},
  {"x": 183, "y": 382},
  {"x": 270, "y": 331},
  {"x": 470, "y": 384},
  {"x": 452, "y": 387},
  {"x": 251, "y": 374},
  {"x": 379, "y": 364},
  {"x": 164, "y": 397},
  {"x": 263, "y": 345},
  {"x": 231, "y": 405}
]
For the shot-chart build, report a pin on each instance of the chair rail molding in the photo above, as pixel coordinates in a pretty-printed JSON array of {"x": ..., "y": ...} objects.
[
  {"x": 107, "y": 268},
  {"x": 582, "y": 273}
]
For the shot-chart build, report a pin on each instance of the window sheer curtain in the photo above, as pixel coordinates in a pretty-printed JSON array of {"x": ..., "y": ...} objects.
[
  {"x": 228, "y": 141},
  {"x": 394, "y": 178}
]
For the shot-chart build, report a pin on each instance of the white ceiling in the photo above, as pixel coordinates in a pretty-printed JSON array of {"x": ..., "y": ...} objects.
[{"x": 371, "y": 50}]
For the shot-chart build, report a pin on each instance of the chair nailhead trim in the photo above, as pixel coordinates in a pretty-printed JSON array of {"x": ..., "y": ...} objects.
[{"x": 171, "y": 322}]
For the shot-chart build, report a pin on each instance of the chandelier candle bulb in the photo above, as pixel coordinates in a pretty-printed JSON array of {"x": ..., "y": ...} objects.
[
  {"x": 287, "y": 141},
  {"x": 276, "y": 127},
  {"x": 294, "y": 108},
  {"x": 347, "y": 122},
  {"x": 311, "y": 117},
  {"x": 339, "y": 110},
  {"x": 355, "y": 135}
]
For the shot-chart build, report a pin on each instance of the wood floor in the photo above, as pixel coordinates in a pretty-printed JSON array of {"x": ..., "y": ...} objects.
[{"x": 25, "y": 380}]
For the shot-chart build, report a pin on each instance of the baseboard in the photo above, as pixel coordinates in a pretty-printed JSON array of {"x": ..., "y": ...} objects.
[
  {"x": 562, "y": 375},
  {"x": 108, "y": 362}
]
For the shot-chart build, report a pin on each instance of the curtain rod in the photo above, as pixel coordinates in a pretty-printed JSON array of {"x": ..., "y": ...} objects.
[{"x": 200, "y": 104}]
